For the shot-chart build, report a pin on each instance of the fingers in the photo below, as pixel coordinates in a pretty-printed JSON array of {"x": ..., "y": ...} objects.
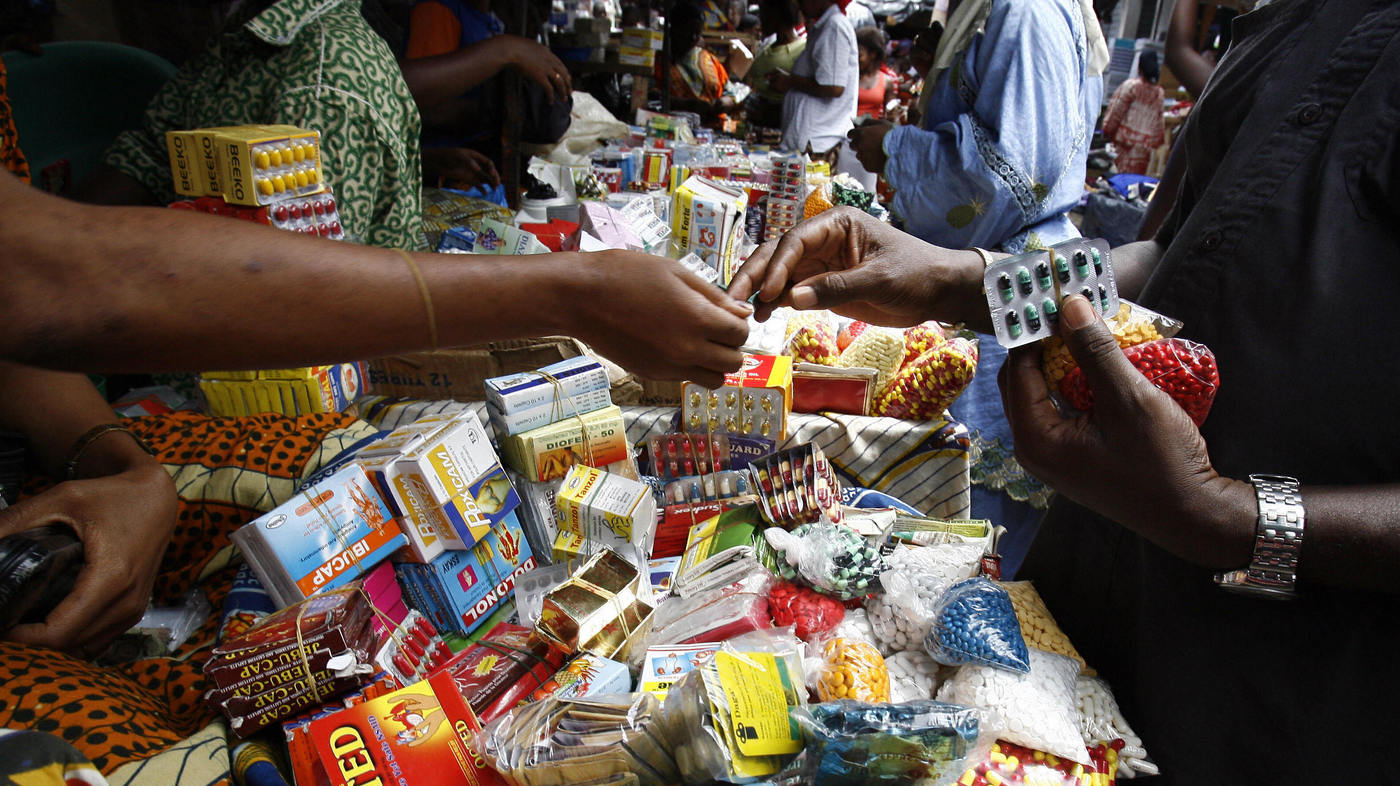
[
  {"x": 745, "y": 282},
  {"x": 1024, "y": 395},
  {"x": 810, "y": 240},
  {"x": 1107, "y": 370},
  {"x": 88, "y": 619},
  {"x": 45, "y": 508},
  {"x": 839, "y": 287}
]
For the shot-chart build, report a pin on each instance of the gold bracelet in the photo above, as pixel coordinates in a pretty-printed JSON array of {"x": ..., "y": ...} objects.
[
  {"x": 75, "y": 454},
  {"x": 427, "y": 298}
]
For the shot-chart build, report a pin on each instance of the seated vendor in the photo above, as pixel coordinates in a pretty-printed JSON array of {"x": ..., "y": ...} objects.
[
  {"x": 697, "y": 78},
  {"x": 781, "y": 23},
  {"x": 316, "y": 65},
  {"x": 456, "y": 54}
]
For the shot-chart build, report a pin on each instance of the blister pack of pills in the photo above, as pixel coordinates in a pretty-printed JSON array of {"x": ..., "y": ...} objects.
[
  {"x": 757, "y": 411},
  {"x": 1024, "y": 292},
  {"x": 796, "y": 487},
  {"x": 683, "y": 455},
  {"x": 710, "y": 487},
  {"x": 315, "y": 214}
]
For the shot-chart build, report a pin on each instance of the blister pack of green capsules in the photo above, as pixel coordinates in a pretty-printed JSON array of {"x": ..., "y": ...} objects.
[{"x": 1024, "y": 292}]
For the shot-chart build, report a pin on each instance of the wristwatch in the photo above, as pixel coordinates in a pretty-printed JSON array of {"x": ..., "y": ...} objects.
[{"x": 1278, "y": 539}]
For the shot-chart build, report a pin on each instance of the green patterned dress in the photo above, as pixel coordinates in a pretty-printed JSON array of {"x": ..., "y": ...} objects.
[{"x": 310, "y": 63}]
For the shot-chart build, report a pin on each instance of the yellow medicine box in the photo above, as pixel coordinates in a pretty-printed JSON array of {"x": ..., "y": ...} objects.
[
  {"x": 186, "y": 165},
  {"x": 259, "y": 165},
  {"x": 547, "y": 453}
]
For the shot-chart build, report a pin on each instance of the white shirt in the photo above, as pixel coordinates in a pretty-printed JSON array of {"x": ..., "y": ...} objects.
[{"x": 831, "y": 59}]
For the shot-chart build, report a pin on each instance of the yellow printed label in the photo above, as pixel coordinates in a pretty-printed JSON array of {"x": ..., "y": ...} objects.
[{"x": 753, "y": 684}]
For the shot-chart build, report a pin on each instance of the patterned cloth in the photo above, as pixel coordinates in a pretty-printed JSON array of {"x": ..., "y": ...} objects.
[
  {"x": 31, "y": 758},
  {"x": 309, "y": 63},
  {"x": 1134, "y": 122},
  {"x": 227, "y": 472},
  {"x": 924, "y": 464},
  {"x": 11, "y": 157},
  {"x": 698, "y": 76}
]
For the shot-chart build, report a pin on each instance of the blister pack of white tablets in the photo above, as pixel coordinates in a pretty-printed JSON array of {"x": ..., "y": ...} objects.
[{"x": 1024, "y": 292}]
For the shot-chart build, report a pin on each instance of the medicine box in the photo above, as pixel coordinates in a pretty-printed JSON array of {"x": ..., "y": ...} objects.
[
  {"x": 325, "y": 536},
  {"x": 525, "y": 401},
  {"x": 548, "y": 452},
  {"x": 460, "y": 589},
  {"x": 606, "y": 510}
]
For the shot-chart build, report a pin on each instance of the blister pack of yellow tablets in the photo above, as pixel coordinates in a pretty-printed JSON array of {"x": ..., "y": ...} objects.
[{"x": 265, "y": 164}]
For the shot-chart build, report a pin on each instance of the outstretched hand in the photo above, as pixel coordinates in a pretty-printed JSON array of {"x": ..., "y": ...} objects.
[
  {"x": 654, "y": 317},
  {"x": 849, "y": 262},
  {"x": 1137, "y": 458},
  {"x": 124, "y": 521}
]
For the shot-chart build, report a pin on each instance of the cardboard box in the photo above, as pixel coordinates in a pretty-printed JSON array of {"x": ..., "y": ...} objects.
[
  {"x": 522, "y": 402},
  {"x": 463, "y": 588},
  {"x": 708, "y": 218},
  {"x": 548, "y": 452},
  {"x": 463, "y": 479},
  {"x": 605, "y": 509},
  {"x": 421, "y": 734},
  {"x": 251, "y": 169},
  {"x": 461, "y": 373},
  {"x": 185, "y": 164}
]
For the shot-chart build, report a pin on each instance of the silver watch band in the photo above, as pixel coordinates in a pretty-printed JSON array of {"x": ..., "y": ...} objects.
[{"x": 1278, "y": 540}]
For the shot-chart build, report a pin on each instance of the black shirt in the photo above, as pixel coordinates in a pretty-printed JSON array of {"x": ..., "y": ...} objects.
[{"x": 1284, "y": 259}]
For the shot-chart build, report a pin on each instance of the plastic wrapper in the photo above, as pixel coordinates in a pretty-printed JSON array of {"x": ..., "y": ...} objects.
[
  {"x": 831, "y": 558},
  {"x": 502, "y": 668},
  {"x": 713, "y": 615},
  {"x": 1132, "y": 325},
  {"x": 849, "y": 669},
  {"x": 553, "y": 742},
  {"x": 1039, "y": 709},
  {"x": 811, "y": 338},
  {"x": 920, "y": 339},
  {"x": 728, "y": 719},
  {"x": 1007, "y": 764},
  {"x": 878, "y": 348},
  {"x": 1101, "y": 722},
  {"x": 846, "y": 190},
  {"x": 849, "y": 332},
  {"x": 913, "y": 676},
  {"x": 1038, "y": 627},
  {"x": 852, "y": 742},
  {"x": 818, "y": 201},
  {"x": 855, "y": 626},
  {"x": 1185, "y": 370},
  {"x": 974, "y": 622},
  {"x": 926, "y": 385},
  {"x": 807, "y": 611},
  {"x": 915, "y": 578}
]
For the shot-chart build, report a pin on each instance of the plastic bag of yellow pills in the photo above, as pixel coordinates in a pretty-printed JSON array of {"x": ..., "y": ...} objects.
[{"x": 1038, "y": 627}]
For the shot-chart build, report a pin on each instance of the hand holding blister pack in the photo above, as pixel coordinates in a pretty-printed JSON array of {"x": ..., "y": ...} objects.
[{"x": 1024, "y": 292}]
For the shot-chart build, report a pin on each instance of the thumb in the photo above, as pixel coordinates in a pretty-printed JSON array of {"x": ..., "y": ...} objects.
[
  {"x": 839, "y": 287},
  {"x": 1108, "y": 371}
]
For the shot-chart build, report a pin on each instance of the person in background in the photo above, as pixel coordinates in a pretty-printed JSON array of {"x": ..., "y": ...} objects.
[
  {"x": 876, "y": 83},
  {"x": 997, "y": 161},
  {"x": 309, "y": 63},
  {"x": 1134, "y": 121},
  {"x": 781, "y": 23},
  {"x": 698, "y": 77},
  {"x": 820, "y": 91},
  {"x": 456, "y": 52},
  {"x": 861, "y": 17},
  {"x": 1159, "y": 557}
]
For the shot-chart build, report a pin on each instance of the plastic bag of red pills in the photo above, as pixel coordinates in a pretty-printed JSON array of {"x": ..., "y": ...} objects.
[
  {"x": 807, "y": 611},
  {"x": 1185, "y": 370}
]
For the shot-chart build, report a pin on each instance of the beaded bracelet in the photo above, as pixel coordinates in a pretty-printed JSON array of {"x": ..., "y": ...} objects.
[{"x": 75, "y": 454}]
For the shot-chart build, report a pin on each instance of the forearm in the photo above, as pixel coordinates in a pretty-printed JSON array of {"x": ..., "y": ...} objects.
[
  {"x": 433, "y": 80},
  {"x": 1352, "y": 536},
  {"x": 1191, "y": 70},
  {"x": 112, "y": 296},
  {"x": 1133, "y": 264},
  {"x": 53, "y": 410}
]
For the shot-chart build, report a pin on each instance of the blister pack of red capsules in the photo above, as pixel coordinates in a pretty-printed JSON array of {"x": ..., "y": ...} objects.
[
  {"x": 796, "y": 487},
  {"x": 675, "y": 456},
  {"x": 413, "y": 650},
  {"x": 313, "y": 214},
  {"x": 1183, "y": 369}
]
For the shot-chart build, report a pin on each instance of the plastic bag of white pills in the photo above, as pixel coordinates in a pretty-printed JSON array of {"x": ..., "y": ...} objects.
[
  {"x": 915, "y": 578},
  {"x": 913, "y": 676},
  {"x": 974, "y": 622},
  {"x": 1039, "y": 709},
  {"x": 1101, "y": 721}
]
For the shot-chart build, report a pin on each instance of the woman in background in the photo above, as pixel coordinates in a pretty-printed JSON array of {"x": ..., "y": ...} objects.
[{"x": 1134, "y": 121}]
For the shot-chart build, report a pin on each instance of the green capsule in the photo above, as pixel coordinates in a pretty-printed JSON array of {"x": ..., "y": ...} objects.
[
  {"x": 1052, "y": 311},
  {"x": 1023, "y": 278},
  {"x": 1088, "y": 294},
  {"x": 1103, "y": 298},
  {"x": 1042, "y": 275},
  {"x": 1032, "y": 317},
  {"x": 1004, "y": 288},
  {"x": 1098, "y": 260},
  {"x": 1062, "y": 269},
  {"x": 1013, "y": 324}
]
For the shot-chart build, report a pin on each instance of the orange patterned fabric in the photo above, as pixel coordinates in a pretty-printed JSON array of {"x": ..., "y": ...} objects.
[
  {"x": 228, "y": 471},
  {"x": 11, "y": 157}
]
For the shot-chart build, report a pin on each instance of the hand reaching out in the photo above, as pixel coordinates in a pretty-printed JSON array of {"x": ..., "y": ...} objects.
[{"x": 1137, "y": 458}]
